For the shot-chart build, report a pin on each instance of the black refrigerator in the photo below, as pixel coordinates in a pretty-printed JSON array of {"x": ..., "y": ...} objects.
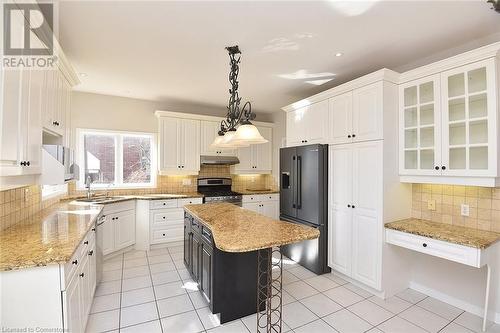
[{"x": 304, "y": 200}]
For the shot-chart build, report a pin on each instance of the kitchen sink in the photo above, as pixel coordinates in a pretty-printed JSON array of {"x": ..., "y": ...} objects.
[{"x": 100, "y": 199}]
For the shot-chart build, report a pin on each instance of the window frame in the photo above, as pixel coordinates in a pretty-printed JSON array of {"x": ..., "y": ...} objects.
[{"x": 118, "y": 137}]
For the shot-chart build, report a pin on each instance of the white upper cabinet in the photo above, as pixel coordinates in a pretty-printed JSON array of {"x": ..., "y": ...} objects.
[
  {"x": 209, "y": 131},
  {"x": 341, "y": 118},
  {"x": 470, "y": 120},
  {"x": 420, "y": 124},
  {"x": 367, "y": 112},
  {"x": 256, "y": 158},
  {"x": 448, "y": 127},
  {"x": 179, "y": 147},
  {"x": 308, "y": 125}
]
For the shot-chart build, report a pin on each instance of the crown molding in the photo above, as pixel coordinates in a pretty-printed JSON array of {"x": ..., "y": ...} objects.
[{"x": 171, "y": 114}]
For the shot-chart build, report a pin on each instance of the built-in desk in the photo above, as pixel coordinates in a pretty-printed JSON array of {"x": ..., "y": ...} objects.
[{"x": 476, "y": 248}]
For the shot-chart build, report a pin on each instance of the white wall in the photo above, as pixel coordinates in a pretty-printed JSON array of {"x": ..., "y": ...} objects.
[{"x": 97, "y": 111}]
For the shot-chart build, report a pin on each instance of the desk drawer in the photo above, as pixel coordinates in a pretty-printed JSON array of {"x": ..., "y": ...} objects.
[{"x": 450, "y": 251}]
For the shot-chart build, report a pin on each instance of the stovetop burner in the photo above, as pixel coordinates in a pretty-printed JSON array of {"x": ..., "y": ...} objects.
[{"x": 218, "y": 190}]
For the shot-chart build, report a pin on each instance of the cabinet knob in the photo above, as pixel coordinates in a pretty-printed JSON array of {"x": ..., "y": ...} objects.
[
  {"x": 75, "y": 262},
  {"x": 353, "y": 206},
  {"x": 164, "y": 204},
  {"x": 163, "y": 235},
  {"x": 349, "y": 136},
  {"x": 436, "y": 167},
  {"x": 443, "y": 168},
  {"x": 183, "y": 166},
  {"x": 354, "y": 135},
  {"x": 22, "y": 163},
  {"x": 348, "y": 206},
  {"x": 163, "y": 217},
  {"x": 93, "y": 229},
  {"x": 28, "y": 163},
  {"x": 91, "y": 252},
  {"x": 117, "y": 217},
  {"x": 82, "y": 274},
  {"x": 54, "y": 122},
  {"x": 86, "y": 242},
  {"x": 424, "y": 245}
]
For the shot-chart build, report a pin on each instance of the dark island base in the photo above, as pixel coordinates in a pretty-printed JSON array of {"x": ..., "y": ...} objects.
[{"x": 228, "y": 281}]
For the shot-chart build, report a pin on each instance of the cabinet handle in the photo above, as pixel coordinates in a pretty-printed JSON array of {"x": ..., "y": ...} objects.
[
  {"x": 443, "y": 168},
  {"x": 82, "y": 275},
  {"x": 424, "y": 245},
  {"x": 54, "y": 123},
  {"x": 436, "y": 167},
  {"x": 93, "y": 229},
  {"x": 91, "y": 252},
  {"x": 28, "y": 163},
  {"x": 75, "y": 262},
  {"x": 22, "y": 163},
  {"x": 86, "y": 242}
]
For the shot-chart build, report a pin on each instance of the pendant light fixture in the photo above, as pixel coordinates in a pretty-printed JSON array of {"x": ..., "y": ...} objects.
[{"x": 237, "y": 129}]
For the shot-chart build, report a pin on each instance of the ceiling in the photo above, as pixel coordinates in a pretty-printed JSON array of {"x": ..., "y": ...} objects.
[{"x": 174, "y": 51}]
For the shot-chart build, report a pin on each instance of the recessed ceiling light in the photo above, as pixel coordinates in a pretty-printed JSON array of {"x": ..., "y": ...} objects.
[
  {"x": 339, "y": 54},
  {"x": 83, "y": 74}
]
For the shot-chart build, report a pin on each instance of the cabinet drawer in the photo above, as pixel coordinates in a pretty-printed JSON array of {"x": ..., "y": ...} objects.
[
  {"x": 79, "y": 256},
  {"x": 251, "y": 198},
  {"x": 454, "y": 252},
  {"x": 167, "y": 235},
  {"x": 157, "y": 204},
  {"x": 270, "y": 197},
  {"x": 167, "y": 217},
  {"x": 189, "y": 201},
  {"x": 118, "y": 207}
]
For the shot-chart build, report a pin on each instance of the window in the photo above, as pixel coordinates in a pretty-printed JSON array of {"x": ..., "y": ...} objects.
[{"x": 116, "y": 159}]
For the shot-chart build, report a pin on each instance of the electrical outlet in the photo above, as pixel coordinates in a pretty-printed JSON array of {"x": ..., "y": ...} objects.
[
  {"x": 464, "y": 210},
  {"x": 431, "y": 205},
  {"x": 186, "y": 182}
]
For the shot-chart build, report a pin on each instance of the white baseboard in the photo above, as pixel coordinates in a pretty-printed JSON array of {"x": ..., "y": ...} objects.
[
  {"x": 375, "y": 292},
  {"x": 474, "y": 309}
]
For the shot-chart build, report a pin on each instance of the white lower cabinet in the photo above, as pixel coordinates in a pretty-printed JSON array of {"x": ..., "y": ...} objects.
[
  {"x": 355, "y": 225},
  {"x": 118, "y": 230},
  {"x": 166, "y": 219},
  {"x": 265, "y": 204},
  {"x": 79, "y": 283}
]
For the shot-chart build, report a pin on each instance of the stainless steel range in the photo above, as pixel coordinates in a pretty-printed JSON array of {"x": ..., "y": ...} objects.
[{"x": 218, "y": 190}]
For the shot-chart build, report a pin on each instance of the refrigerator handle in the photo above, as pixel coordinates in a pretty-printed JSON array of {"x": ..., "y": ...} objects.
[{"x": 299, "y": 182}]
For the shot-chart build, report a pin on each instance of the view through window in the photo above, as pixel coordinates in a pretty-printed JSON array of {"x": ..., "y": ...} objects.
[{"x": 116, "y": 159}]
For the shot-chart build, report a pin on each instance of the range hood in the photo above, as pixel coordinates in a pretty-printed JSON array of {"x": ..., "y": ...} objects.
[{"x": 219, "y": 160}]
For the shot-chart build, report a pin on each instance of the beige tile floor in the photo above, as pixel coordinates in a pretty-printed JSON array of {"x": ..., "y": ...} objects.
[{"x": 152, "y": 292}]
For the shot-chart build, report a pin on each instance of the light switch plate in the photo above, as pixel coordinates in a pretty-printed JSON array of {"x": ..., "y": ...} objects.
[
  {"x": 431, "y": 205},
  {"x": 464, "y": 210}
]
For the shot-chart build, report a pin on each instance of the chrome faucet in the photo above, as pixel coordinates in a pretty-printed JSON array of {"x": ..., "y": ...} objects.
[{"x": 87, "y": 185}]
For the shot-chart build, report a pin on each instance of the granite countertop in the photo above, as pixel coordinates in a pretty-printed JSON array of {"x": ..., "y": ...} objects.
[
  {"x": 480, "y": 239},
  {"x": 235, "y": 229},
  {"x": 152, "y": 196},
  {"x": 254, "y": 192},
  {"x": 50, "y": 237}
]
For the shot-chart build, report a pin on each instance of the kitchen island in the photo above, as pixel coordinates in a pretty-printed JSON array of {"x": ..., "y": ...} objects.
[{"x": 229, "y": 252}]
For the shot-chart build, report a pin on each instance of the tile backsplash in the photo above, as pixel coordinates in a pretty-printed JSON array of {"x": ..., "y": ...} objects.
[
  {"x": 484, "y": 205},
  {"x": 23, "y": 202}
]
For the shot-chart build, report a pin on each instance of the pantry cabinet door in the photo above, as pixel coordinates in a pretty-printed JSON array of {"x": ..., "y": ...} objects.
[
  {"x": 367, "y": 104},
  {"x": 367, "y": 223},
  {"x": 340, "y": 211},
  {"x": 420, "y": 127},
  {"x": 340, "y": 110},
  {"x": 469, "y": 117}
]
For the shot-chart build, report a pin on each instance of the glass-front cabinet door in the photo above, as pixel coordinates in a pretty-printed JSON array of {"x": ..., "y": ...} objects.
[
  {"x": 469, "y": 120},
  {"x": 420, "y": 127}
]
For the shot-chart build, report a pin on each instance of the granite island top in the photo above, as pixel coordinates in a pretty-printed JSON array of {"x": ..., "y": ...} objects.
[
  {"x": 235, "y": 229},
  {"x": 49, "y": 237},
  {"x": 479, "y": 239}
]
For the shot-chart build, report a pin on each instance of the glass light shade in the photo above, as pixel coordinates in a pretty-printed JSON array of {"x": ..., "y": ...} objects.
[
  {"x": 226, "y": 141},
  {"x": 248, "y": 133},
  {"x": 218, "y": 141}
]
